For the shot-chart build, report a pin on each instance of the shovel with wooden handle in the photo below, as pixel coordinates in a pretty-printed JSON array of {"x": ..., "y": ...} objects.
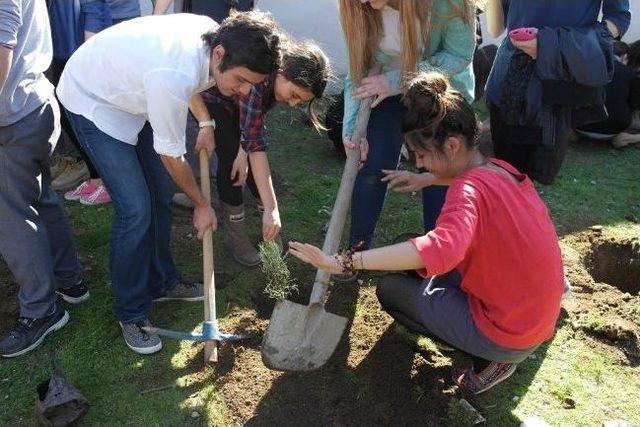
[
  {"x": 303, "y": 337},
  {"x": 210, "y": 333}
]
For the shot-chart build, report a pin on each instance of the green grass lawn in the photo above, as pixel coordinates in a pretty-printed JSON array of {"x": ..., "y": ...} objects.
[{"x": 597, "y": 185}]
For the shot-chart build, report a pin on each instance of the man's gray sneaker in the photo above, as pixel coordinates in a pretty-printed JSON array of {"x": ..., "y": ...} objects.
[
  {"x": 138, "y": 340},
  {"x": 184, "y": 291},
  {"x": 29, "y": 333}
]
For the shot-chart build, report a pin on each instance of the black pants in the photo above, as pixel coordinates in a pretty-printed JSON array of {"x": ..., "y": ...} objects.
[
  {"x": 227, "y": 136},
  {"x": 53, "y": 74},
  {"x": 521, "y": 146},
  {"x": 617, "y": 102},
  {"x": 218, "y": 10}
]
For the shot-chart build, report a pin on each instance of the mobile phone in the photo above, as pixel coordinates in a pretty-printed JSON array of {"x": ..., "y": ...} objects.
[{"x": 523, "y": 34}]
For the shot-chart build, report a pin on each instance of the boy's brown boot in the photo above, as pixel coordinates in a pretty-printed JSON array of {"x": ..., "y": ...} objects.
[{"x": 235, "y": 236}]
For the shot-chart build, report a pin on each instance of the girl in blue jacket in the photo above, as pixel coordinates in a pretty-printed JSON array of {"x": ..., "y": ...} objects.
[{"x": 405, "y": 37}]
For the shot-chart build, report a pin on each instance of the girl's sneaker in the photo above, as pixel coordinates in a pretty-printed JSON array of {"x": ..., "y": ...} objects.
[
  {"x": 98, "y": 197},
  {"x": 82, "y": 190},
  {"x": 472, "y": 383}
]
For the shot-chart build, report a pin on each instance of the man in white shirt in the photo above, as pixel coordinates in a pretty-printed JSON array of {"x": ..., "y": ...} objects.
[{"x": 127, "y": 92}]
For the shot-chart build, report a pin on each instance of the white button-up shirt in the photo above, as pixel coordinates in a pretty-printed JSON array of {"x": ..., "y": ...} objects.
[{"x": 145, "y": 69}]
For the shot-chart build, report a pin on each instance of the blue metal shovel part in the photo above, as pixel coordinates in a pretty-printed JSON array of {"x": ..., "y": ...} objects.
[{"x": 210, "y": 332}]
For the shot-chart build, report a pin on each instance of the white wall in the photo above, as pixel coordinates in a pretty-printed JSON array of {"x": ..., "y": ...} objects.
[
  {"x": 634, "y": 30},
  {"x": 315, "y": 20}
]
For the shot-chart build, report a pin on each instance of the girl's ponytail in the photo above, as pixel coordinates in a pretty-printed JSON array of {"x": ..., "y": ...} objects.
[{"x": 435, "y": 111}]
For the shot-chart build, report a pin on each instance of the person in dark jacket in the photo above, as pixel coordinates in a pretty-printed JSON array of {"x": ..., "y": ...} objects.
[
  {"x": 622, "y": 127},
  {"x": 533, "y": 137}
]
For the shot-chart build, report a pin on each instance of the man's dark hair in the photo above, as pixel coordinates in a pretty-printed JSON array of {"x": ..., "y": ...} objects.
[{"x": 250, "y": 39}]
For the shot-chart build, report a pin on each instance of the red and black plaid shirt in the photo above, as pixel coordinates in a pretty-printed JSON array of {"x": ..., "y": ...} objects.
[{"x": 252, "y": 109}]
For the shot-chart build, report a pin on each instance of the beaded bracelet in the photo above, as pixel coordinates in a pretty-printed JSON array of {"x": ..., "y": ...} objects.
[{"x": 344, "y": 258}]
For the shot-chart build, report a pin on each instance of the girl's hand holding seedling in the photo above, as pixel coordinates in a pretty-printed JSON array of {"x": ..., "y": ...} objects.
[
  {"x": 377, "y": 86},
  {"x": 407, "y": 182},
  {"x": 240, "y": 168},
  {"x": 314, "y": 256},
  {"x": 271, "y": 224}
]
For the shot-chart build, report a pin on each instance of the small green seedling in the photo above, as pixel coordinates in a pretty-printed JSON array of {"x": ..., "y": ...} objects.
[{"x": 280, "y": 284}]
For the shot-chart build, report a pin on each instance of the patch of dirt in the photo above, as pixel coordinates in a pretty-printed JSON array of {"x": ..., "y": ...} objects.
[
  {"x": 604, "y": 272},
  {"x": 375, "y": 376},
  {"x": 9, "y": 307}
]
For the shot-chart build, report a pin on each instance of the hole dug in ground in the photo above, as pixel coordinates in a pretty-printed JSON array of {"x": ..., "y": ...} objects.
[{"x": 616, "y": 261}]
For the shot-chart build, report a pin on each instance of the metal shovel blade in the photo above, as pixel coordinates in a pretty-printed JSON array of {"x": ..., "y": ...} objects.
[{"x": 301, "y": 337}]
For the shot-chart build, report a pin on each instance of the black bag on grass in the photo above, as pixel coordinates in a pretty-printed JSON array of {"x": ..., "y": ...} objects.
[{"x": 58, "y": 403}]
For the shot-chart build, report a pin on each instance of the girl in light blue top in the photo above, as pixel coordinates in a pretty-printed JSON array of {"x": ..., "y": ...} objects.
[{"x": 404, "y": 36}]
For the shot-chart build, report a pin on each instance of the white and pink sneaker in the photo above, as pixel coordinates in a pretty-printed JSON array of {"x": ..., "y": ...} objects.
[
  {"x": 98, "y": 197},
  {"x": 84, "y": 189}
]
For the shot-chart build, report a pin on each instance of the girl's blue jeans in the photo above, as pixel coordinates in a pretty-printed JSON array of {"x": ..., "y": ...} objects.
[{"x": 385, "y": 141}]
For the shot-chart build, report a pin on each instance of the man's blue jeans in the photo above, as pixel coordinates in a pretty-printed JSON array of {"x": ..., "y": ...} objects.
[
  {"x": 140, "y": 259},
  {"x": 385, "y": 141},
  {"x": 35, "y": 238}
]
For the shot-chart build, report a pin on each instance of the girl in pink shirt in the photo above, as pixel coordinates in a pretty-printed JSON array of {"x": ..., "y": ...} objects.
[{"x": 492, "y": 264}]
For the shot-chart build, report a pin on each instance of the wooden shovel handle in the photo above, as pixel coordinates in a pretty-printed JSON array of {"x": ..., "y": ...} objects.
[
  {"x": 343, "y": 199},
  {"x": 210, "y": 347}
]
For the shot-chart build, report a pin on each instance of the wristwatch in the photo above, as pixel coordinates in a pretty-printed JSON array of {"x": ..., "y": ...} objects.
[{"x": 211, "y": 123}]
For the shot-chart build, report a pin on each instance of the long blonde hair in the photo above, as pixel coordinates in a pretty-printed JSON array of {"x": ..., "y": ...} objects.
[{"x": 362, "y": 27}]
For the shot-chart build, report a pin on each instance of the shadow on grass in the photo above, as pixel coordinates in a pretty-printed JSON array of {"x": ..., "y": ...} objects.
[{"x": 379, "y": 390}]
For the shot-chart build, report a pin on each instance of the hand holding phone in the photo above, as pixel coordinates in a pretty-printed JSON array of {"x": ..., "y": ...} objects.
[{"x": 523, "y": 34}]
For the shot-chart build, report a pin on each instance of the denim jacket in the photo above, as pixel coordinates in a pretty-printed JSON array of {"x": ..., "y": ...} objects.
[{"x": 563, "y": 91}]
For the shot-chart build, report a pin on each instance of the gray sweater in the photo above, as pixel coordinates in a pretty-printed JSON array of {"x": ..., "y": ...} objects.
[{"x": 24, "y": 28}]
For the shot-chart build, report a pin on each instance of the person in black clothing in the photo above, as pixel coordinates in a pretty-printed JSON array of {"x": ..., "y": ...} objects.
[{"x": 622, "y": 126}]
